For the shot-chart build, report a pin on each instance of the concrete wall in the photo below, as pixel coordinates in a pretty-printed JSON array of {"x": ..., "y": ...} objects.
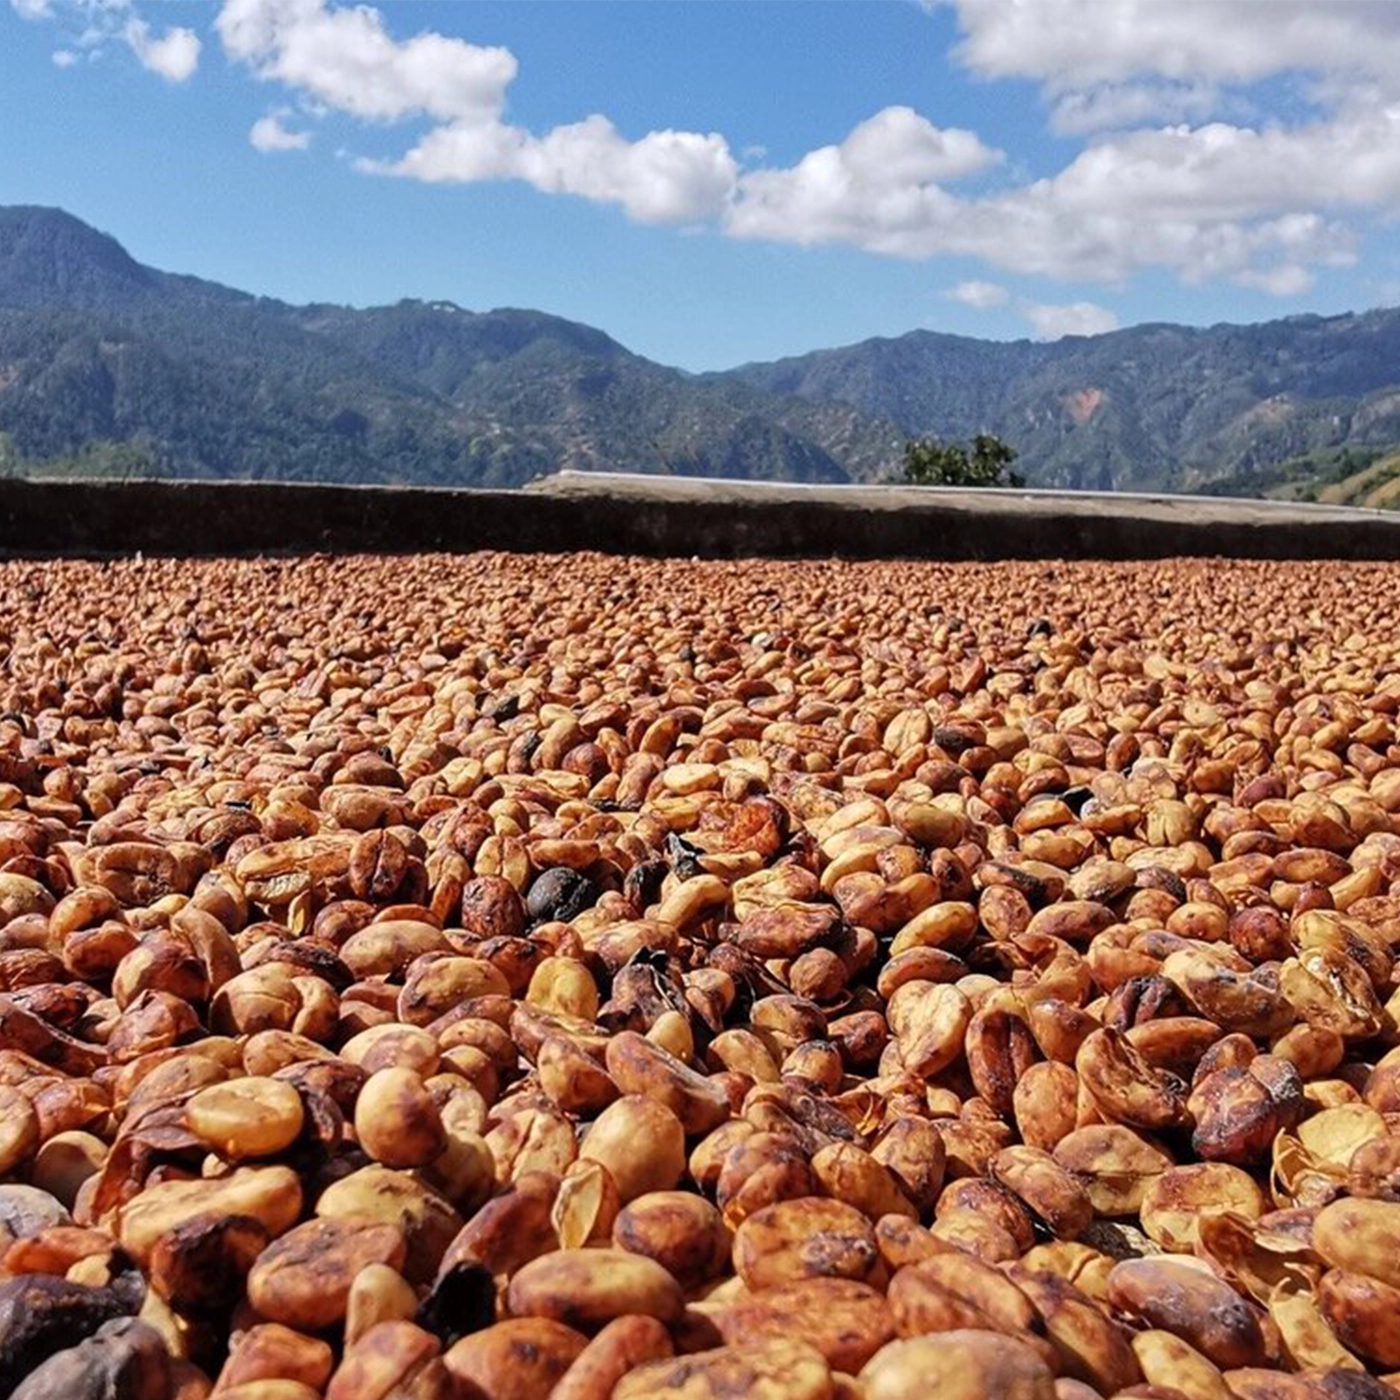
[{"x": 664, "y": 516}]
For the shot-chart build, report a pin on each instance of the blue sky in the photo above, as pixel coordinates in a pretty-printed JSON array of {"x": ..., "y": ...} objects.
[{"x": 738, "y": 179}]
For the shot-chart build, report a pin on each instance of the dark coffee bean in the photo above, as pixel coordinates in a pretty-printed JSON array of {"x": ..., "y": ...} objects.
[{"x": 561, "y": 894}]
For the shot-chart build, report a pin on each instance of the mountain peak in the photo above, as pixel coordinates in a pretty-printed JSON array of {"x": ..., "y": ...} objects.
[
  {"x": 105, "y": 362},
  {"x": 49, "y": 258}
]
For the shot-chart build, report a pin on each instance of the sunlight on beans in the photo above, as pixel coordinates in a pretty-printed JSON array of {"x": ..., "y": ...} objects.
[{"x": 612, "y": 979}]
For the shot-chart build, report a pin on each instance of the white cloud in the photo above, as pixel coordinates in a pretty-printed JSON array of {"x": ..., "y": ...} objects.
[
  {"x": 1121, "y": 106},
  {"x": 174, "y": 56},
  {"x": 1051, "y": 322},
  {"x": 347, "y": 60},
  {"x": 1077, "y": 44},
  {"x": 1227, "y": 172},
  {"x": 879, "y": 189},
  {"x": 1263, "y": 204},
  {"x": 673, "y": 177},
  {"x": 91, "y": 25},
  {"x": 1217, "y": 201},
  {"x": 982, "y": 295},
  {"x": 898, "y": 147},
  {"x": 1286, "y": 280},
  {"x": 269, "y": 134},
  {"x": 1188, "y": 181}
]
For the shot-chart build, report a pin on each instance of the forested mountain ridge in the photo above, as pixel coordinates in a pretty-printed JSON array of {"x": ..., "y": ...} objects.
[
  {"x": 107, "y": 365},
  {"x": 1152, "y": 406}
]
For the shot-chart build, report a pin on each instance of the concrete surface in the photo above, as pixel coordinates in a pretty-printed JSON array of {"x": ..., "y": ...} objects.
[{"x": 671, "y": 516}]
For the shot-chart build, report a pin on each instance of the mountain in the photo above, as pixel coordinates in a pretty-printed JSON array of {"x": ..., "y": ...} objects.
[
  {"x": 1152, "y": 407},
  {"x": 110, "y": 366},
  {"x": 47, "y": 258},
  {"x": 593, "y": 403}
]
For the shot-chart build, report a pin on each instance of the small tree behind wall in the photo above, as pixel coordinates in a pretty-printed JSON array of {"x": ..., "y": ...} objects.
[{"x": 930, "y": 462}]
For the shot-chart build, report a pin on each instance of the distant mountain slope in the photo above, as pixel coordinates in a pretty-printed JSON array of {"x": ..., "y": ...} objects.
[
  {"x": 1377, "y": 486},
  {"x": 593, "y": 402},
  {"x": 1153, "y": 406},
  {"x": 48, "y": 258},
  {"x": 110, "y": 366},
  {"x": 107, "y": 365}
]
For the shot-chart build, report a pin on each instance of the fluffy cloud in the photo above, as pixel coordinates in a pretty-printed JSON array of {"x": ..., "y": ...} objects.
[
  {"x": 1122, "y": 106},
  {"x": 1286, "y": 280},
  {"x": 982, "y": 295},
  {"x": 1217, "y": 199},
  {"x": 1078, "y": 44},
  {"x": 1261, "y": 204},
  {"x": 269, "y": 134},
  {"x": 347, "y": 60},
  {"x": 92, "y": 24},
  {"x": 1175, "y": 172},
  {"x": 174, "y": 55},
  {"x": 880, "y": 189},
  {"x": 1258, "y": 206},
  {"x": 1051, "y": 322},
  {"x": 1224, "y": 172},
  {"x": 667, "y": 177}
]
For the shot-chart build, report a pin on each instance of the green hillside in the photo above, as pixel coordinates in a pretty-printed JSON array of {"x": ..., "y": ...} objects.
[{"x": 110, "y": 367}]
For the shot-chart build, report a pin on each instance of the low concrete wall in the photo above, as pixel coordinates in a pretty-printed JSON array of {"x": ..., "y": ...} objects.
[{"x": 668, "y": 516}]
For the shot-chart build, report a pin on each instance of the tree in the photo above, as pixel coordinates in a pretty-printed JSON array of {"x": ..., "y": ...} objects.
[{"x": 929, "y": 462}]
